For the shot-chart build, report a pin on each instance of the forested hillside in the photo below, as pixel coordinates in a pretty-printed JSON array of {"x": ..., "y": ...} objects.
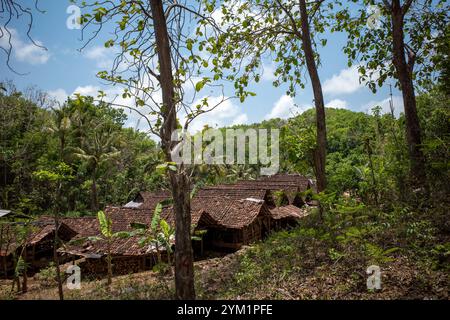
[
  {"x": 81, "y": 146},
  {"x": 366, "y": 217},
  {"x": 92, "y": 184},
  {"x": 98, "y": 162}
]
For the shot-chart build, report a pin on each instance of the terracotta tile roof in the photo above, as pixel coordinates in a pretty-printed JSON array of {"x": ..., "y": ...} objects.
[
  {"x": 84, "y": 226},
  {"x": 231, "y": 213},
  {"x": 233, "y": 206},
  {"x": 285, "y": 177},
  {"x": 121, "y": 221},
  {"x": 64, "y": 232},
  {"x": 303, "y": 181},
  {"x": 151, "y": 199},
  {"x": 274, "y": 185},
  {"x": 122, "y": 218},
  {"x": 158, "y": 194},
  {"x": 119, "y": 247},
  {"x": 289, "y": 211},
  {"x": 258, "y": 193},
  {"x": 40, "y": 229}
]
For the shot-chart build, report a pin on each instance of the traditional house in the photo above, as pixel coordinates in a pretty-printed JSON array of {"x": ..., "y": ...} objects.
[
  {"x": 8, "y": 246},
  {"x": 238, "y": 222},
  {"x": 286, "y": 216},
  {"x": 36, "y": 249},
  {"x": 232, "y": 215},
  {"x": 128, "y": 254},
  {"x": 237, "y": 192},
  {"x": 148, "y": 200}
]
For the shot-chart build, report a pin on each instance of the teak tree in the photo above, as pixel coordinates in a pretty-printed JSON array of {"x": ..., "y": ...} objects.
[
  {"x": 286, "y": 31},
  {"x": 55, "y": 178},
  {"x": 398, "y": 42},
  {"x": 154, "y": 65}
]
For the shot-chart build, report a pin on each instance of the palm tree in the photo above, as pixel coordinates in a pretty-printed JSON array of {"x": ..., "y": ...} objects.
[
  {"x": 60, "y": 127},
  {"x": 244, "y": 172},
  {"x": 98, "y": 149}
]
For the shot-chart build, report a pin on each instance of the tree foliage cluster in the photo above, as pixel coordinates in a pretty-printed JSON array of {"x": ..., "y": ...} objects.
[{"x": 82, "y": 144}]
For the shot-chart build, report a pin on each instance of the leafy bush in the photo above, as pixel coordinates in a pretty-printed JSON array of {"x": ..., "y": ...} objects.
[{"x": 47, "y": 276}]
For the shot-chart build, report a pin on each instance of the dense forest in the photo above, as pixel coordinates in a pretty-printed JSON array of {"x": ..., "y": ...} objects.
[
  {"x": 377, "y": 182},
  {"x": 85, "y": 148},
  {"x": 81, "y": 146}
]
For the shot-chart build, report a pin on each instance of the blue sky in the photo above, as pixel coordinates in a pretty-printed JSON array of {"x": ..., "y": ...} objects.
[{"x": 63, "y": 69}]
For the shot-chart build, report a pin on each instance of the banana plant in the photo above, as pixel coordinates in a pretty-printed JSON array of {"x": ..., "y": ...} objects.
[
  {"x": 108, "y": 235},
  {"x": 165, "y": 238},
  {"x": 158, "y": 235}
]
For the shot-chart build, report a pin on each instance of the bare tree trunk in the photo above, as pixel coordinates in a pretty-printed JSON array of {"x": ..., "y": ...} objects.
[
  {"x": 25, "y": 276},
  {"x": 109, "y": 258},
  {"x": 184, "y": 266},
  {"x": 320, "y": 152},
  {"x": 374, "y": 181},
  {"x": 94, "y": 194},
  {"x": 404, "y": 70},
  {"x": 2, "y": 240},
  {"x": 184, "y": 256},
  {"x": 18, "y": 284},
  {"x": 56, "y": 259},
  {"x": 5, "y": 268}
]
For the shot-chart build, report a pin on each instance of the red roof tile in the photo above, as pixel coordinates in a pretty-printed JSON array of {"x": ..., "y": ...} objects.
[{"x": 289, "y": 211}]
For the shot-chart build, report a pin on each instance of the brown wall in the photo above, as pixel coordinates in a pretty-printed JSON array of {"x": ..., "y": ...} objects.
[{"x": 121, "y": 265}]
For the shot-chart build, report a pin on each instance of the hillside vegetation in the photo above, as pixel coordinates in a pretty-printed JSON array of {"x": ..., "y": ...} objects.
[
  {"x": 312, "y": 261},
  {"x": 367, "y": 218}
]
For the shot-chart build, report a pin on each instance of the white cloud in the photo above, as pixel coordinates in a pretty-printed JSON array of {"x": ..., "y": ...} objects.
[
  {"x": 95, "y": 53},
  {"x": 337, "y": 104},
  {"x": 268, "y": 72},
  {"x": 283, "y": 108},
  {"x": 27, "y": 52},
  {"x": 87, "y": 91},
  {"x": 225, "y": 114},
  {"x": 114, "y": 95},
  {"x": 59, "y": 95},
  {"x": 240, "y": 119},
  {"x": 347, "y": 81},
  {"x": 101, "y": 55},
  {"x": 385, "y": 105}
]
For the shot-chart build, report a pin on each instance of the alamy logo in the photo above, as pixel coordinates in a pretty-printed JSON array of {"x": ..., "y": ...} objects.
[
  {"x": 74, "y": 279},
  {"x": 374, "y": 20},
  {"x": 374, "y": 279},
  {"x": 230, "y": 146},
  {"x": 74, "y": 20}
]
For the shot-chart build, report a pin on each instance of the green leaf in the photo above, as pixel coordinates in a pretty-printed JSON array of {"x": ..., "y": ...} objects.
[
  {"x": 94, "y": 238},
  {"x": 189, "y": 43},
  {"x": 109, "y": 43},
  {"x": 199, "y": 86},
  {"x": 161, "y": 168},
  {"x": 122, "y": 234},
  {"x": 137, "y": 225},
  {"x": 105, "y": 224},
  {"x": 165, "y": 228},
  {"x": 156, "y": 217}
]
